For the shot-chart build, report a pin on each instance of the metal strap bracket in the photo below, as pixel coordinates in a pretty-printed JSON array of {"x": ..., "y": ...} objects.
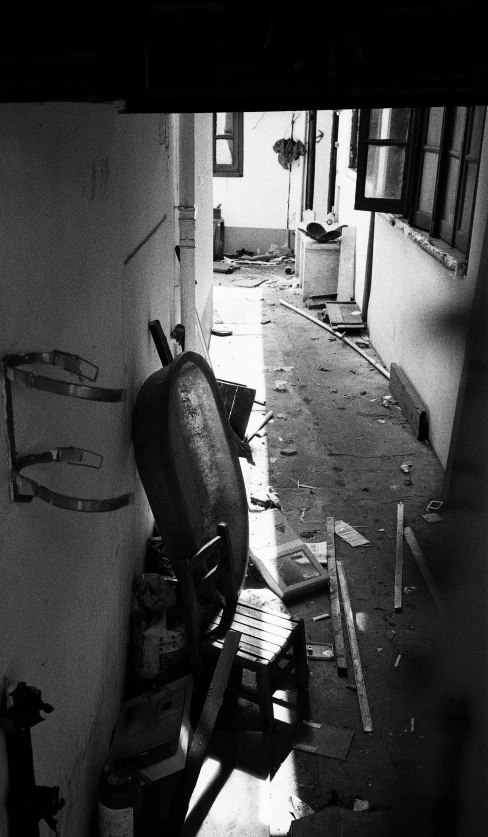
[
  {"x": 73, "y": 364},
  {"x": 29, "y": 488}
]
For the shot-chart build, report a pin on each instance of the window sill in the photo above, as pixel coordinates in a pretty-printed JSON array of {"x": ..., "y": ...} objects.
[{"x": 450, "y": 258}]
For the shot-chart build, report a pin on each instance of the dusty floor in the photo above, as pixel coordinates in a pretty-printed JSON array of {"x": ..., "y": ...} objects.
[{"x": 350, "y": 448}]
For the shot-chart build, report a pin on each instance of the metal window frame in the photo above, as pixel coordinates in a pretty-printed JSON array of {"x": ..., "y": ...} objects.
[
  {"x": 395, "y": 206},
  {"x": 236, "y": 168}
]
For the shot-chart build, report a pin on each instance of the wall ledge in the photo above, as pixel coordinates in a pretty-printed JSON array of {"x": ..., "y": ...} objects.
[{"x": 450, "y": 258}]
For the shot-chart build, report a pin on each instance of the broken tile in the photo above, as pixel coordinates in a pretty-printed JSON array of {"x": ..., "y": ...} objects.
[{"x": 349, "y": 534}]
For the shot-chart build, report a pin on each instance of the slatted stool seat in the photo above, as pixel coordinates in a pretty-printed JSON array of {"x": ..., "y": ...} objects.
[{"x": 272, "y": 645}]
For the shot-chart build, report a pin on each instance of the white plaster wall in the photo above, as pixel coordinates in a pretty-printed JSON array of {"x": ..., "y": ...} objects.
[
  {"x": 417, "y": 318},
  {"x": 259, "y": 198},
  {"x": 81, "y": 187},
  {"x": 345, "y": 196},
  {"x": 418, "y": 310}
]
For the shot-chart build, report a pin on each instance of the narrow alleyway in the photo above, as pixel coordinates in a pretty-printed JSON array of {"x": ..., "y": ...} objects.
[{"x": 350, "y": 446}]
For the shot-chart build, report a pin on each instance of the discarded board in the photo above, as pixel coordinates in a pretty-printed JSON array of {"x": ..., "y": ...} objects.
[
  {"x": 203, "y": 732},
  {"x": 324, "y": 740},
  {"x": 399, "y": 560},
  {"x": 334, "y": 601},
  {"x": 356, "y": 660},
  {"x": 411, "y": 404},
  {"x": 154, "y": 728},
  {"x": 348, "y": 534},
  {"x": 347, "y": 265},
  {"x": 344, "y": 316},
  {"x": 285, "y": 562},
  {"x": 427, "y": 575}
]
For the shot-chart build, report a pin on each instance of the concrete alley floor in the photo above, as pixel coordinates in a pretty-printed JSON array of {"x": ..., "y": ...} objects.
[{"x": 350, "y": 447}]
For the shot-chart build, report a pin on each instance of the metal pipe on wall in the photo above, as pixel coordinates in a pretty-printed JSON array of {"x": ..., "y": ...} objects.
[
  {"x": 312, "y": 141},
  {"x": 368, "y": 274},
  {"x": 187, "y": 217}
]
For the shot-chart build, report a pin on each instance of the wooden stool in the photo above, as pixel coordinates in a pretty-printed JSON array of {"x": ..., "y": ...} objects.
[{"x": 272, "y": 645}]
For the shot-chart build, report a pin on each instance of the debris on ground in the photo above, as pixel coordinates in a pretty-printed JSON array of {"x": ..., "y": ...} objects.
[
  {"x": 434, "y": 505},
  {"x": 319, "y": 549},
  {"x": 265, "y": 500},
  {"x": 321, "y": 616},
  {"x": 360, "y": 804},
  {"x": 309, "y": 533},
  {"x": 221, "y": 332},
  {"x": 299, "y": 808},
  {"x": 348, "y": 534},
  {"x": 433, "y": 517},
  {"x": 320, "y": 650},
  {"x": 405, "y": 467},
  {"x": 325, "y": 740},
  {"x": 281, "y": 386},
  {"x": 288, "y": 451},
  {"x": 397, "y": 660},
  {"x": 280, "y": 368}
]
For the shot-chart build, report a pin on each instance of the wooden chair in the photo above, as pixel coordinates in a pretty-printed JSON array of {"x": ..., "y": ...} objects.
[{"x": 272, "y": 645}]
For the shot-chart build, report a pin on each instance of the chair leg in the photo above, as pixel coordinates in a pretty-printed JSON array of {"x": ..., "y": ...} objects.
[
  {"x": 301, "y": 668},
  {"x": 265, "y": 696}
]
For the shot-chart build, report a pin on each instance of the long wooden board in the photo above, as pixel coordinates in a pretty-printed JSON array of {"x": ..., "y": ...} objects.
[
  {"x": 399, "y": 559},
  {"x": 427, "y": 575},
  {"x": 356, "y": 659},
  {"x": 347, "y": 265},
  {"x": 413, "y": 408},
  {"x": 335, "y": 605},
  {"x": 201, "y": 739}
]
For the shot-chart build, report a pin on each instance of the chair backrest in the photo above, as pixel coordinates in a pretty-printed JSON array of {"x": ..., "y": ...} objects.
[{"x": 198, "y": 575}]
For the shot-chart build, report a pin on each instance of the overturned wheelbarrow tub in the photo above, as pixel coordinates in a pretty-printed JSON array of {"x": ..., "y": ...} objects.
[{"x": 188, "y": 463}]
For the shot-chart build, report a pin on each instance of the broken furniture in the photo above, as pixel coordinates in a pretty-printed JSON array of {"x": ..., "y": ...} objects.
[
  {"x": 190, "y": 471},
  {"x": 271, "y": 645},
  {"x": 23, "y": 489}
]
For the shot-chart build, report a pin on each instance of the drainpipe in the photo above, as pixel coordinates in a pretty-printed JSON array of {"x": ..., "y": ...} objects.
[
  {"x": 312, "y": 142},
  {"x": 333, "y": 162},
  {"x": 369, "y": 269},
  {"x": 187, "y": 215}
]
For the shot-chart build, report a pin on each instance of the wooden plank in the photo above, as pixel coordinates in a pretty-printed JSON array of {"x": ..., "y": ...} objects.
[
  {"x": 351, "y": 315},
  {"x": 160, "y": 342},
  {"x": 356, "y": 659},
  {"x": 335, "y": 606},
  {"x": 427, "y": 575},
  {"x": 413, "y": 408},
  {"x": 347, "y": 265},
  {"x": 203, "y": 732},
  {"x": 274, "y": 634},
  {"x": 334, "y": 314},
  {"x": 399, "y": 559},
  {"x": 266, "y": 616}
]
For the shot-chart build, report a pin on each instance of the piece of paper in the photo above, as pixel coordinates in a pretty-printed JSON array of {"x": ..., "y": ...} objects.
[
  {"x": 320, "y": 551},
  {"x": 349, "y": 534}
]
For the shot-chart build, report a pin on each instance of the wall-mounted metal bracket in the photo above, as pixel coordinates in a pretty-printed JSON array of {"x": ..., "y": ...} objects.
[
  {"x": 28, "y": 488},
  {"x": 70, "y": 363},
  {"x": 23, "y": 489}
]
